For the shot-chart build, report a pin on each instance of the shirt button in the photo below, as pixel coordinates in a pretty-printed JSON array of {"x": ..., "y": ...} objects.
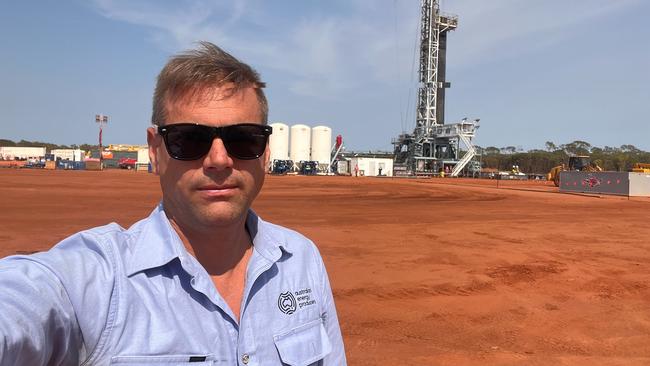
[{"x": 245, "y": 358}]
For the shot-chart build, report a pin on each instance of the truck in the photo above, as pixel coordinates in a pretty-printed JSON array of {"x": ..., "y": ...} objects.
[{"x": 126, "y": 163}]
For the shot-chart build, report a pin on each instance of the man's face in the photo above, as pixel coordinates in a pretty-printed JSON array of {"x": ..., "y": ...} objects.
[{"x": 217, "y": 189}]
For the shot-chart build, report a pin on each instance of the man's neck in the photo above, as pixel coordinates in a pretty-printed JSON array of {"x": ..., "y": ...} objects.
[{"x": 218, "y": 249}]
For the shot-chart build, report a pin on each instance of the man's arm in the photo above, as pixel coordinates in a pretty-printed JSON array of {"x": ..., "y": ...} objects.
[{"x": 38, "y": 325}]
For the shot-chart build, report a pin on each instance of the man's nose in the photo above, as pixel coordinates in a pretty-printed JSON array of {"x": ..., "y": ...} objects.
[{"x": 217, "y": 157}]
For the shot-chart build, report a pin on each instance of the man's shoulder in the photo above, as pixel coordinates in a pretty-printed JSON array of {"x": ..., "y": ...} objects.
[
  {"x": 291, "y": 241},
  {"x": 95, "y": 249},
  {"x": 285, "y": 233},
  {"x": 82, "y": 250}
]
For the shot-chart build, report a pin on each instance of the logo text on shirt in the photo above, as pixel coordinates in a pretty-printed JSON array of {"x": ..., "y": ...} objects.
[{"x": 304, "y": 298}]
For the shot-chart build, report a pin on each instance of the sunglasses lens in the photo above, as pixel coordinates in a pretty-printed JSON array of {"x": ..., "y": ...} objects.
[
  {"x": 245, "y": 141},
  {"x": 192, "y": 142},
  {"x": 188, "y": 142}
]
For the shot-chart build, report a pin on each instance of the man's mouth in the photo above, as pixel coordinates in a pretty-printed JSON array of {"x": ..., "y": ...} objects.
[{"x": 218, "y": 190}]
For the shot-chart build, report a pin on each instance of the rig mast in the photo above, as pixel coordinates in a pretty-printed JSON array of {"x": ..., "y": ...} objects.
[{"x": 433, "y": 146}]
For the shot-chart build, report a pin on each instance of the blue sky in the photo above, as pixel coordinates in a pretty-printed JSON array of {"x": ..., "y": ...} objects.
[{"x": 531, "y": 70}]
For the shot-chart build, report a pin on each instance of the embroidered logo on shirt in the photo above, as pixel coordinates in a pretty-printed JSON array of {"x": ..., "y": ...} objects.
[{"x": 287, "y": 303}]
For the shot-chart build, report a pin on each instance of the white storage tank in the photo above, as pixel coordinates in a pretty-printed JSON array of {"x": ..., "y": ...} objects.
[
  {"x": 279, "y": 142},
  {"x": 300, "y": 143},
  {"x": 321, "y": 142}
]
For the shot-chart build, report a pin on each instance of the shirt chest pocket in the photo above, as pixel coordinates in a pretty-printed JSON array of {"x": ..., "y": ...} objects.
[
  {"x": 164, "y": 360},
  {"x": 303, "y": 345}
]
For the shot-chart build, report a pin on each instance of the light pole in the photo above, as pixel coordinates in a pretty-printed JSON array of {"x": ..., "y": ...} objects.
[{"x": 101, "y": 120}]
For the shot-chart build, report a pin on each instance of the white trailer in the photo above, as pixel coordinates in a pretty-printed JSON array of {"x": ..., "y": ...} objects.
[
  {"x": 20, "y": 152},
  {"x": 68, "y": 154},
  {"x": 371, "y": 167}
]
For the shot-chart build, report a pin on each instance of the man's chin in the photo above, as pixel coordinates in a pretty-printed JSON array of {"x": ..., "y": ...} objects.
[{"x": 222, "y": 216}]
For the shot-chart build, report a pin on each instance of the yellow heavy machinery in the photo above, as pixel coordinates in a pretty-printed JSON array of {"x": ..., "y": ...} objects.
[
  {"x": 580, "y": 163},
  {"x": 641, "y": 168}
]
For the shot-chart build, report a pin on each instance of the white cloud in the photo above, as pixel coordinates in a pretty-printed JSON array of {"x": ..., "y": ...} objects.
[
  {"x": 322, "y": 54},
  {"x": 176, "y": 25},
  {"x": 489, "y": 30},
  {"x": 358, "y": 43}
]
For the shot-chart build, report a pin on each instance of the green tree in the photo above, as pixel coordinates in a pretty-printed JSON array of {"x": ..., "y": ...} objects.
[
  {"x": 550, "y": 146},
  {"x": 577, "y": 148}
]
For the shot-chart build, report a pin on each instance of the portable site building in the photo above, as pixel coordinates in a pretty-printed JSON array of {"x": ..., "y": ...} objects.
[
  {"x": 20, "y": 152},
  {"x": 142, "y": 164},
  {"x": 68, "y": 154},
  {"x": 371, "y": 167}
]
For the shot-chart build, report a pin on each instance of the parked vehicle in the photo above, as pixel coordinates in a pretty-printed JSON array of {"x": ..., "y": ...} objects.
[{"x": 127, "y": 163}]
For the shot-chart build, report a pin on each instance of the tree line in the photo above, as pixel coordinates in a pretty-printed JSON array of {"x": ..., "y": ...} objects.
[
  {"x": 48, "y": 146},
  {"x": 541, "y": 161},
  {"x": 533, "y": 161}
]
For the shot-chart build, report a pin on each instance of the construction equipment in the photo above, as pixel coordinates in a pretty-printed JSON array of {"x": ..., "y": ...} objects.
[
  {"x": 578, "y": 163},
  {"x": 281, "y": 167},
  {"x": 641, "y": 168},
  {"x": 308, "y": 167}
]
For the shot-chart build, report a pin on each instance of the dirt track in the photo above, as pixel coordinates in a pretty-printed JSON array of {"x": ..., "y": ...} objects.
[{"x": 426, "y": 272}]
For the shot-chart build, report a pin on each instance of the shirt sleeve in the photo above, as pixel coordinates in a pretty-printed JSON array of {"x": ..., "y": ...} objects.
[
  {"x": 55, "y": 305},
  {"x": 37, "y": 321},
  {"x": 337, "y": 356}
]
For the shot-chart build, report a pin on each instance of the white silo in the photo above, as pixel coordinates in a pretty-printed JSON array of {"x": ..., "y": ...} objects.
[
  {"x": 300, "y": 143},
  {"x": 279, "y": 142},
  {"x": 321, "y": 143}
]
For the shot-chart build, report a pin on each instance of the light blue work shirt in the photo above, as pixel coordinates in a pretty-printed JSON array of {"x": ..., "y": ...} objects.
[{"x": 110, "y": 296}]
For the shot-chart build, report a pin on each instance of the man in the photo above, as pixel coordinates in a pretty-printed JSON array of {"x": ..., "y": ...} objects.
[{"x": 202, "y": 279}]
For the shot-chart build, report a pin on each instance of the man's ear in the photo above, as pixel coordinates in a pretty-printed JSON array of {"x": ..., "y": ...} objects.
[
  {"x": 267, "y": 158},
  {"x": 153, "y": 140}
]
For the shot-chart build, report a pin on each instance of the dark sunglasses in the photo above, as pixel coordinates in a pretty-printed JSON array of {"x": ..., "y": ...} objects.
[{"x": 192, "y": 141}]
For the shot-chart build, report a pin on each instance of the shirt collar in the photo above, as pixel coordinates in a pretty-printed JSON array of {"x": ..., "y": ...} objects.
[
  {"x": 267, "y": 239},
  {"x": 158, "y": 243}
]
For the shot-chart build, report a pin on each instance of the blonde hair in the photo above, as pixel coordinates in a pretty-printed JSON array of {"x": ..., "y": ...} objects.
[{"x": 197, "y": 70}]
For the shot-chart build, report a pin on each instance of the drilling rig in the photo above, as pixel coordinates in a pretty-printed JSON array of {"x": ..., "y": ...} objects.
[{"x": 434, "y": 146}]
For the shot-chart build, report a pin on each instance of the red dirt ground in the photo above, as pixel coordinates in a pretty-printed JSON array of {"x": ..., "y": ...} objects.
[{"x": 427, "y": 271}]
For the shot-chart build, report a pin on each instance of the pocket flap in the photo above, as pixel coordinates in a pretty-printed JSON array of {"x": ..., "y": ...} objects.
[{"x": 304, "y": 344}]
